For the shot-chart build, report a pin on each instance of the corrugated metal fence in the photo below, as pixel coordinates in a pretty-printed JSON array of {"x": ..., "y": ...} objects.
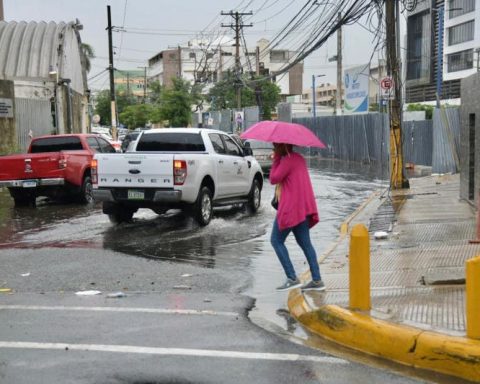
[
  {"x": 360, "y": 138},
  {"x": 446, "y": 140},
  {"x": 417, "y": 140},
  {"x": 32, "y": 115},
  {"x": 366, "y": 137}
]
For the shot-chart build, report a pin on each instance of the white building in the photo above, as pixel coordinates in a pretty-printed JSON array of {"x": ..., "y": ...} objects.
[
  {"x": 462, "y": 39},
  {"x": 457, "y": 56}
]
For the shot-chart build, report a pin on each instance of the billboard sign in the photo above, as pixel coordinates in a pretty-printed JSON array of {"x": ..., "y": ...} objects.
[{"x": 356, "y": 82}]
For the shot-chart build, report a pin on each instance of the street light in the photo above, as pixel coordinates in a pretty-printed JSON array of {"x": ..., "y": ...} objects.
[{"x": 313, "y": 94}]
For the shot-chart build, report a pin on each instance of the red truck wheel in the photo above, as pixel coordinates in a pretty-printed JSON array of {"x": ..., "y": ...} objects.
[
  {"x": 22, "y": 198},
  {"x": 86, "y": 195}
]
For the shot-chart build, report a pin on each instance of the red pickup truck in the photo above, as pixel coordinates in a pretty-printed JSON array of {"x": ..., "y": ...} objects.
[{"x": 56, "y": 166}]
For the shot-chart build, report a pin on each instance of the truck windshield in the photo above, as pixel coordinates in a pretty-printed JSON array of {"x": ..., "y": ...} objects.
[
  {"x": 171, "y": 142},
  {"x": 56, "y": 144}
]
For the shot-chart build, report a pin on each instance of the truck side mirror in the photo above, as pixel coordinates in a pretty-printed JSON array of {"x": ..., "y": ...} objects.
[{"x": 247, "y": 152}]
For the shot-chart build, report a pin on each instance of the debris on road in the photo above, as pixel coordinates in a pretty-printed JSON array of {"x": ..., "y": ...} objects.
[
  {"x": 182, "y": 287},
  {"x": 116, "y": 295},
  {"x": 88, "y": 293},
  {"x": 379, "y": 235}
]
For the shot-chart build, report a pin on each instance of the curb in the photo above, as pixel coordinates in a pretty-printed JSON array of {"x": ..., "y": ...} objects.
[
  {"x": 451, "y": 355},
  {"x": 415, "y": 347}
]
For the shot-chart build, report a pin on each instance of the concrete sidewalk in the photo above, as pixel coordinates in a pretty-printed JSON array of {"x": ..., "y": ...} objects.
[{"x": 417, "y": 281}]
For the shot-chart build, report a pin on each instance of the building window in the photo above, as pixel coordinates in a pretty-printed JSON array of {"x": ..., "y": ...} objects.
[
  {"x": 418, "y": 47},
  {"x": 461, "y": 33},
  {"x": 278, "y": 55},
  {"x": 460, "y": 7},
  {"x": 460, "y": 61}
]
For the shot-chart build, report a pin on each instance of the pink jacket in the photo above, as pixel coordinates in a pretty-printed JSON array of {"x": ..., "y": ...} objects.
[{"x": 297, "y": 201}]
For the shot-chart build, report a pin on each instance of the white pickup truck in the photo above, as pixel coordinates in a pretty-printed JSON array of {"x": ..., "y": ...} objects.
[{"x": 188, "y": 168}]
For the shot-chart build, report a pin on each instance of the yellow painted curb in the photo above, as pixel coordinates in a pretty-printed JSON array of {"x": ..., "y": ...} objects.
[{"x": 456, "y": 356}]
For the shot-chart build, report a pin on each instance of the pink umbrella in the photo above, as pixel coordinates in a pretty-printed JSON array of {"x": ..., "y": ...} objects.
[{"x": 282, "y": 132}]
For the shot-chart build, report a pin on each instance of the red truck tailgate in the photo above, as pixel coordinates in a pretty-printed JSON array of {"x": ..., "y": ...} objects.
[{"x": 30, "y": 166}]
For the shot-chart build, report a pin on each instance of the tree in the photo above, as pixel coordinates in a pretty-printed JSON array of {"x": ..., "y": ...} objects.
[
  {"x": 422, "y": 107},
  {"x": 102, "y": 105},
  {"x": 155, "y": 92},
  {"x": 88, "y": 53},
  {"x": 176, "y": 102},
  {"x": 257, "y": 91},
  {"x": 136, "y": 115}
]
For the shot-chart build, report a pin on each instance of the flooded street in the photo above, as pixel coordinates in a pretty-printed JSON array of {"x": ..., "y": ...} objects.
[
  {"x": 339, "y": 189},
  {"x": 234, "y": 240}
]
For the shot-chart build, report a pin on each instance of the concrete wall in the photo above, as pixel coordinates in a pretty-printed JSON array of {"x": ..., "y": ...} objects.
[
  {"x": 470, "y": 115},
  {"x": 8, "y": 136}
]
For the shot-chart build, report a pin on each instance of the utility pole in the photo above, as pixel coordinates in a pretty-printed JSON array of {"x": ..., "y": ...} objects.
[
  {"x": 1, "y": 11},
  {"x": 338, "y": 100},
  {"x": 144, "y": 84},
  {"x": 220, "y": 64},
  {"x": 237, "y": 27},
  {"x": 397, "y": 176},
  {"x": 112, "y": 76}
]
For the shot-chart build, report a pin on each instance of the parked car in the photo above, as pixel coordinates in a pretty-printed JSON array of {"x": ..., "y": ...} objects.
[
  {"x": 262, "y": 151},
  {"x": 186, "y": 168},
  {"x": 54, "y": 166},
  {"x": 129, "y": 137},
  {"x": 117, "y": 144}
]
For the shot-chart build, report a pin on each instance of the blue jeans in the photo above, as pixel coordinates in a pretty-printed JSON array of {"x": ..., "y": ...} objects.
[{"x": 302, "y": 236}]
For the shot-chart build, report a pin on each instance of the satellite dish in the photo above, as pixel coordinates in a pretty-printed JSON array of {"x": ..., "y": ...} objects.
[{"x": 96, "y": 119}]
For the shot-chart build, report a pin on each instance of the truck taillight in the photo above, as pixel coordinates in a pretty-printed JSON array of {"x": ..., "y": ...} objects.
[
  {"x": 179, "y": 171},
  {"x": 62, "y": 163},
  {"x": 93, "y": 171}
]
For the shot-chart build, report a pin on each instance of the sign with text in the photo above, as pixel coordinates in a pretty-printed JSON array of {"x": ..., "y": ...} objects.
[
  {"x": 387, "y": 87},
  {"x": 6, "y": 108},
  {"x": 357, "y": 82}
]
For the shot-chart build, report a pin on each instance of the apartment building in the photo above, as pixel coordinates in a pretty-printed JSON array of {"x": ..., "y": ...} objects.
[
  {"x": 207, "y": 62},
  {"x": 443, "y": 38}
]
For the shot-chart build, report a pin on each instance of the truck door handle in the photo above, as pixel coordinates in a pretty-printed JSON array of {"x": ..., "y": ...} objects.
[
  {"x": 235, "y": 163},
  {"x": 220, "y": 161},
  {"x": 134, "y": 171}
]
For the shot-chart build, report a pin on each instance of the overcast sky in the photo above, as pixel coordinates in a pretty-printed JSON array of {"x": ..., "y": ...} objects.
[{"x": 159, "y": 24}]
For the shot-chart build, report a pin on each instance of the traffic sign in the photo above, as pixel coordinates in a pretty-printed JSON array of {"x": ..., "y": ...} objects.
[
  {"x": 387, "y": 88},
  {"x": 386, "y": 83}
]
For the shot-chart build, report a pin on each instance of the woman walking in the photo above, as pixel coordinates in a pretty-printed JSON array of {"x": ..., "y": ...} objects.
[{"x": 297, "y": 213}]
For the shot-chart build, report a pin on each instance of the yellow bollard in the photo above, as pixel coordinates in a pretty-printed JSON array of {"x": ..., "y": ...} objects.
[
  {"x": 359, "y": 273},
  {"x": 472, "y": 291}
]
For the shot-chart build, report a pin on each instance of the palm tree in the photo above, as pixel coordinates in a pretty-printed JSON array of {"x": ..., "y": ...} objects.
[{"x": 88, "y": 53}]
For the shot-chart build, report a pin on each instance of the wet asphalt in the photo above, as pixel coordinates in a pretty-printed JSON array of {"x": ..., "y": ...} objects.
[{"x": 199, "y": 304}]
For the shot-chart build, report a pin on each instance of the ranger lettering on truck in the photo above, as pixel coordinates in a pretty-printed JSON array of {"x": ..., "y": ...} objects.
[{"x": 191, "y": 169}]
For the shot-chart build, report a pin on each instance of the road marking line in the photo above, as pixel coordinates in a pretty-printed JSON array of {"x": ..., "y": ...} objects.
[
  {"x": 172, "y": 351},
  {"x": 120, "y": 309}
]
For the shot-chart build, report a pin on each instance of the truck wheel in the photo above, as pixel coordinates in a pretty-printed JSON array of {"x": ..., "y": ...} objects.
[
  {"x": 203, "y": 210},
  {"x": 121, "y": 216},
  {"x": 25, "y": 201},
  {"x": 117, "y": 213},
  {"x": 255, "y": 196},
  {"x": 22, "y": 198},
  {"x": 86, "y": 195}
]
